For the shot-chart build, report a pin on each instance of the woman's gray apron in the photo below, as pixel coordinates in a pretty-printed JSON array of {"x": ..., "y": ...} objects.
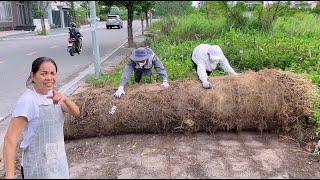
[{"x": 45, "y": 157}]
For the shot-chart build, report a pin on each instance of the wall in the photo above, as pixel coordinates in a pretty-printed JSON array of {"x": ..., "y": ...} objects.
[{"x": 37, "y": 23}]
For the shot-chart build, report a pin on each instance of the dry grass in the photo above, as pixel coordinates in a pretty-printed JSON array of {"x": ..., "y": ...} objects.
[{"x": 266, "y": 100}]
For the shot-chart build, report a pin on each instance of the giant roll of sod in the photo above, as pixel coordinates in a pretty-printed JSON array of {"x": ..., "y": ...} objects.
[{"x": 267, "y": 100}]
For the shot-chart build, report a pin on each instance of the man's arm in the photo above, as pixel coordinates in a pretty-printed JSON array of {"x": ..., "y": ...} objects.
[
  {"x": 126, "y": 72},
  {"x": 124, "y": 78},
  {"x": 224, "y": 64},
  {"x": 201, "y": 71},
  {"x": 160, "y": 68}
]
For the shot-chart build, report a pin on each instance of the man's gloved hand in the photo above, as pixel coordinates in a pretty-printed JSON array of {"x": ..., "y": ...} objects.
[
  {"x": 119, "y": 92},
  {"x": 206, "y": 85},
  {"x": 165, "y": 84}
]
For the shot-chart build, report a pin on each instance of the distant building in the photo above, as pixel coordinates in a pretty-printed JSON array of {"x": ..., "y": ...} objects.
[
  {"x": 293, "y": 4},
  {"x": 58, "y": 14},
  {"x": 15, "y": 14}
]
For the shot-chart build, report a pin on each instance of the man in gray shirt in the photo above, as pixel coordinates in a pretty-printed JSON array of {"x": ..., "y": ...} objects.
[{"x": 141, "y": 62}]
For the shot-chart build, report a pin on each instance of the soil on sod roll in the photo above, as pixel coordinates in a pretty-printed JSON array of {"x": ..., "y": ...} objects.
[{"x": 269, "y": 99}]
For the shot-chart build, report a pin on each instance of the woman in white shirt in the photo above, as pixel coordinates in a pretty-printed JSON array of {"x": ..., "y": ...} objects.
[
  {"x": 39, "y": 114},
  {"x": 205, "y": 59}
]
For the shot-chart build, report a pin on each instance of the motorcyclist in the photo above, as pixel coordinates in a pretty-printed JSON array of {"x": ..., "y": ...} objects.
[{"x": 74, "y": 33}]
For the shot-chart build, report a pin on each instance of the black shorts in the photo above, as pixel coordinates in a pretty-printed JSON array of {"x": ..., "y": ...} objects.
[
  {"x": 22, "y": 172},
  {"x": 137, "y": 75}
]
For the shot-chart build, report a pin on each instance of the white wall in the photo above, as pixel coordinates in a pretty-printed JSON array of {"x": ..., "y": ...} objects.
[{"x": 37, "y": 23}]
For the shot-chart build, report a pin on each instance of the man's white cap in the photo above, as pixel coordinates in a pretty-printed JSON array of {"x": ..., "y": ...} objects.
[{"x": 215, "y": 52}]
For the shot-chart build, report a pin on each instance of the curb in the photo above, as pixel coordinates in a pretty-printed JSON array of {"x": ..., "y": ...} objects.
[
  {"x": 35, "y": 36},
  {"x": 38, "y": 36}
]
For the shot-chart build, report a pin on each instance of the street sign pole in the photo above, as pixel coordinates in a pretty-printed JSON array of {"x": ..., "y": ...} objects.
[{"x": 95, "y": 44}]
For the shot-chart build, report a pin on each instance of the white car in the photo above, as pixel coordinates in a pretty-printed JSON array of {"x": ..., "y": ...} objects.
[{"x": 113, "y": 21}]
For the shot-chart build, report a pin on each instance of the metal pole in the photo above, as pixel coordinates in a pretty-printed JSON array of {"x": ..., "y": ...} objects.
[{"x": 95, "y": 44}]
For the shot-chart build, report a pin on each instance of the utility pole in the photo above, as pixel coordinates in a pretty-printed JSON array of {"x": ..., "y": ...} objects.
[{"x": 96, "y": 54}]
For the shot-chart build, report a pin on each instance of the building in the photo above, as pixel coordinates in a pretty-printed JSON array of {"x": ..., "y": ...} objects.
[
  {"x": 58, "y": 14},
  {"x": 15, "y": 15}
]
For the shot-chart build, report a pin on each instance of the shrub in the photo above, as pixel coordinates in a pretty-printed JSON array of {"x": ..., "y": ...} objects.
[
  {"x": 42, "y": 32},
  {"x": 316, "y": 10},
  {"x": 196, "y": 27},
  {"x": 300, "y": 24}
]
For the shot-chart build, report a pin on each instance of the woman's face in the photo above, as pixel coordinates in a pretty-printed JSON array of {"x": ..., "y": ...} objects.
[{"x": 45, "y": 78}]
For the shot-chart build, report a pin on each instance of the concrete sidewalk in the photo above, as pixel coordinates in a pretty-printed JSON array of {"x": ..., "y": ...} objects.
[
  {"x": 230, "y": 155},
  {"x": 12, "y": 33},
  {"x": 22, "y": 35}
]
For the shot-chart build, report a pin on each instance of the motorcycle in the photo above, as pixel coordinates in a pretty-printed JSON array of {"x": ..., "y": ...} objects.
[{"x": 72, "y": 45}]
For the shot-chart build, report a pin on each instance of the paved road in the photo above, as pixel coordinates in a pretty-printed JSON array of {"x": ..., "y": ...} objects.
[{"x": 18, "y": 52}]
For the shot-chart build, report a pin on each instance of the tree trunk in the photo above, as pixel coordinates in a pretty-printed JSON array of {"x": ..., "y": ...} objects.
[
  {"x": 147, "y": 19},
  {"x": 206, "y": 5},
  {"x": 130, "y": 19},
  {"x": 151, "y": 17},
  {"x": 87, "y": 10},
  {"x": 141, "y": 15},
  {"x": 43, "y": 25}
]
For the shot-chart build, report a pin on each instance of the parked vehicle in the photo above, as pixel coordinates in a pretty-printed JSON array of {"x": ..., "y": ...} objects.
[{"x": 114, "y": 21}]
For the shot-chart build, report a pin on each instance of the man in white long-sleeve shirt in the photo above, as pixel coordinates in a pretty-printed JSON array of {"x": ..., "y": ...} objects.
[
  {"x": 141, "y": 62},
  {"x": 205, "y": 58}
]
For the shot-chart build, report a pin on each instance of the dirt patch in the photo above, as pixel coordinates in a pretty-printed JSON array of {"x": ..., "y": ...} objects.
[{"x": 219, "y": 155}]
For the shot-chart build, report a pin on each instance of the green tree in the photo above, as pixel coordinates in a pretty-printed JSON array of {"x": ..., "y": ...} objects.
[
  {"x": 235, "y": 14},
  {"x": 140, "y": 12},
  {"x": 142, "y": 8},
  {"x": 39, "y": 11},
  {"x": 145, "y": 7},
  {"x": 130, "y": 6},
  {"x": 72, "y": 11},
  {"x": 172, "y": 8},
  {"x": 212, "y": 9}
]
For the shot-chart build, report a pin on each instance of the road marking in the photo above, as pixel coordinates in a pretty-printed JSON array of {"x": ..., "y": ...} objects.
[
  {"x": 34, "y": 52},
  {"x": 53, "y": 46}
]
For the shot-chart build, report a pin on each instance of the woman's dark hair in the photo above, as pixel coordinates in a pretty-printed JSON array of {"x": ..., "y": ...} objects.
[{"x": 36, "y": 65}]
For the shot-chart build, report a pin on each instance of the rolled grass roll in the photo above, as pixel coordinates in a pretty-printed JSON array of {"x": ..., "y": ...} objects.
[{"x": 269, "y": 99}]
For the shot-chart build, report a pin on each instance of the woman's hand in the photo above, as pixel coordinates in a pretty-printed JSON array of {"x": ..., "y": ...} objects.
[
  {"x": 66, "y": 104},
  {"x": 57, "y": 97}
]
